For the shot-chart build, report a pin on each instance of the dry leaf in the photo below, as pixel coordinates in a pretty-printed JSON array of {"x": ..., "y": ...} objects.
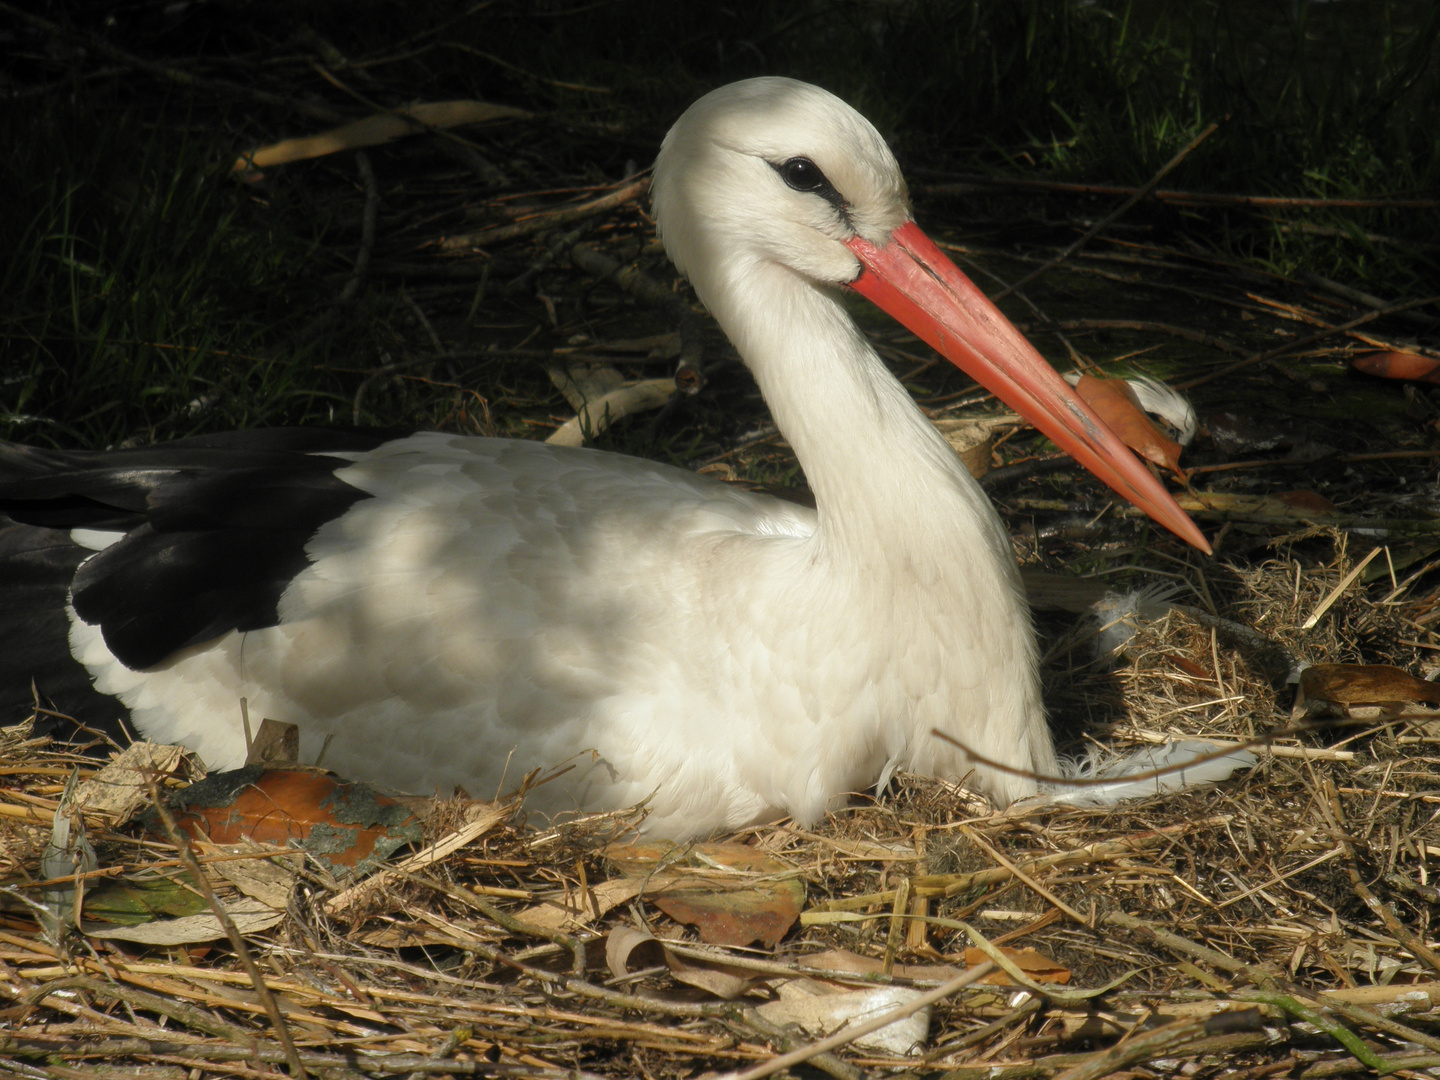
[
  {"x": 845, "y": 962},
  {"x": 249, "y": 916},
  {"x": 123, "y": 786},
  {"x": 1036, "y": 965},
  {"x": 1399, "y": 365},
  {"x": 627, "y": 948},
  {"x": 374, "y": 130},
  {"x": 820, "y": 1009},
  {"x": 1364, "y": 690},
  {"x": 731, "y": 893},
  {"x": 269, "y": 880},
  {"x": 583, "y": 910},
  {"x": 1114, "y": 402},
  {"x": 1308, "y": 501},
  {"x": 973, "y": 438},
  {"x": 276, "y": 744}
]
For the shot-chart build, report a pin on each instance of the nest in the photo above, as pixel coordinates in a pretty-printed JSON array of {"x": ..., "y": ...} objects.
[
  {"x": 1275, "y": 923},
  {"x": 1278, "y": 924}
]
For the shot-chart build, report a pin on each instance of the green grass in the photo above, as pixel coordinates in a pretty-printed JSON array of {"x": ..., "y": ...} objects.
[
  {"x": 137, "y": 284},
  {"x": 139, "y": 280}
]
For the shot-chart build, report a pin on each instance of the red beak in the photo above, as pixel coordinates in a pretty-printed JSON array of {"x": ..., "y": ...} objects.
[{"x": 913, "y": 280}]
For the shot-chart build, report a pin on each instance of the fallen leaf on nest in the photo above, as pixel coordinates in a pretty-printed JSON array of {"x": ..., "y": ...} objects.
[
  {"x": 142, "y": 899},
  {"x": 348, "y": 826},
  {"x": 1399, "y": 365},
  {"x": 973, "y": 438},
  {"x": 731, "y": 893},
  {"x": 627, "y": 948},
  {"x": 276, "y": 745},
  {"x": 265, "y": 877},
  {"x": 1363, "y": 691},
  {"x": 1310, "y": 501},
  {"x": 845, "y": 962},
  {"x": 820, "y": 1009},
  {"x": 578, "y": 911},
  {"x": 1034, "y": 964},
  {"x": 249, "y": 917},
  {"x": 1115, "y": 402},
  {"x": 123, "y": 786}
]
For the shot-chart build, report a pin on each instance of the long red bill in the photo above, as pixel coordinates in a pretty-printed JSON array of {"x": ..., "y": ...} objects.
[{"x": 914, "y": 281}]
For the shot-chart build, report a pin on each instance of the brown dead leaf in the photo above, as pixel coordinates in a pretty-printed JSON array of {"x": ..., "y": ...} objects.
[
  {"x": 845, "y": 962},
  {"x": 731, "y": 893},
  {"x": 580, "y": 911},
  {"x": 267, "y": 879},
  {"x": 249, "y": 917},
  {"x": 375, "y": 130},
  {"x": 1308, "y": 501},
  {"x": 627, "y": 948},
  {"x": 1362, "y": 690},
  {"x": 1399, "y": 365},
  {"x": 973, "y": 438},
  {"x": 123, "y": 786},
  {"x": 1036, "y": 965},
  {"x": 276, "y": 744},
  {"x": 1114, "y": 402}
]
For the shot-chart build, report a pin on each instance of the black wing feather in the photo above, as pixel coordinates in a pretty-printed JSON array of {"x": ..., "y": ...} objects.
[{"x": 215, "y": 529}]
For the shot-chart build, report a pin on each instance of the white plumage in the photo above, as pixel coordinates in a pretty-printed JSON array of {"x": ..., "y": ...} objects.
[{"x": 492, "y": 606}]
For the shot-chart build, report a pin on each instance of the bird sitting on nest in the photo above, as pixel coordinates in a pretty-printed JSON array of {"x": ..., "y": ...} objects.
[{"x": 457, "y": 611}]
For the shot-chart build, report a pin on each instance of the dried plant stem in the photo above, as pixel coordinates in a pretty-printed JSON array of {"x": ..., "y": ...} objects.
[
  {"x": 851, "y": 1033},
  {"x": 1119, "y": 211},
  {"x": 237, "y": 941}
]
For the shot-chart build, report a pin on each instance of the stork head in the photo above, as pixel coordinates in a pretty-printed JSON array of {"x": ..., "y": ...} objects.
[
  {"x": 775, "y": 169},
  {"x": 780, "y": 172}
]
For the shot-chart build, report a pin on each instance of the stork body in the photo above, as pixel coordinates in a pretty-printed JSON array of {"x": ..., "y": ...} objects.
[{"x": 474, "y": 608}]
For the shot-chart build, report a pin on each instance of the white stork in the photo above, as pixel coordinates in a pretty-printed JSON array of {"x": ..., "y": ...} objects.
[{"x": 457, "y": 611}]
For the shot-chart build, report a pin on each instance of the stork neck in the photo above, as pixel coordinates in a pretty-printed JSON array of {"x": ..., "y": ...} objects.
[{"x": 881, "y": 473}]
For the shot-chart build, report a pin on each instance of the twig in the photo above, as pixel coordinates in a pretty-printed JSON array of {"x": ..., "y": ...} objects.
[
  {"x": 1184, "y": 332},
  {"x": 547, "y": 219},
  {"x": 362, "y": 260},
  {"x": 968, "y": 186},
  {"x": 688, "y": 375},
  {"x": 419, "y": 313},
  {"x": 1300, "y": 343},
  {"x": 571, "y": 944},
  {"x": 292, "y": 102},
  {"x": 850, "y": 1034},
  {"x": 237, "y": 942},
  {"x": 1408, "y": 938},
  {"x": 841, "y": 1070},
  {"x": 1167, "y": 1041},
  {"x": 367, "y": 226},
  {"x": 1339, "y": 1032},
  {"x": 1100, "y": 225},
  {"x": 1339, "y": 590},
  {"x": 553, "y": 250},
  {"x": 432, "y": 854},
  {"x": 1262, "y": 975},
  {"x": 975, "y": 839},
  {"x": 1029, "y": 1007},
  {"x": 343, "y": 1064}
]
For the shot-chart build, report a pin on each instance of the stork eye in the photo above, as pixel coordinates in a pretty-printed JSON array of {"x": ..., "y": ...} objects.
[{"x": 802, "y": 174}]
